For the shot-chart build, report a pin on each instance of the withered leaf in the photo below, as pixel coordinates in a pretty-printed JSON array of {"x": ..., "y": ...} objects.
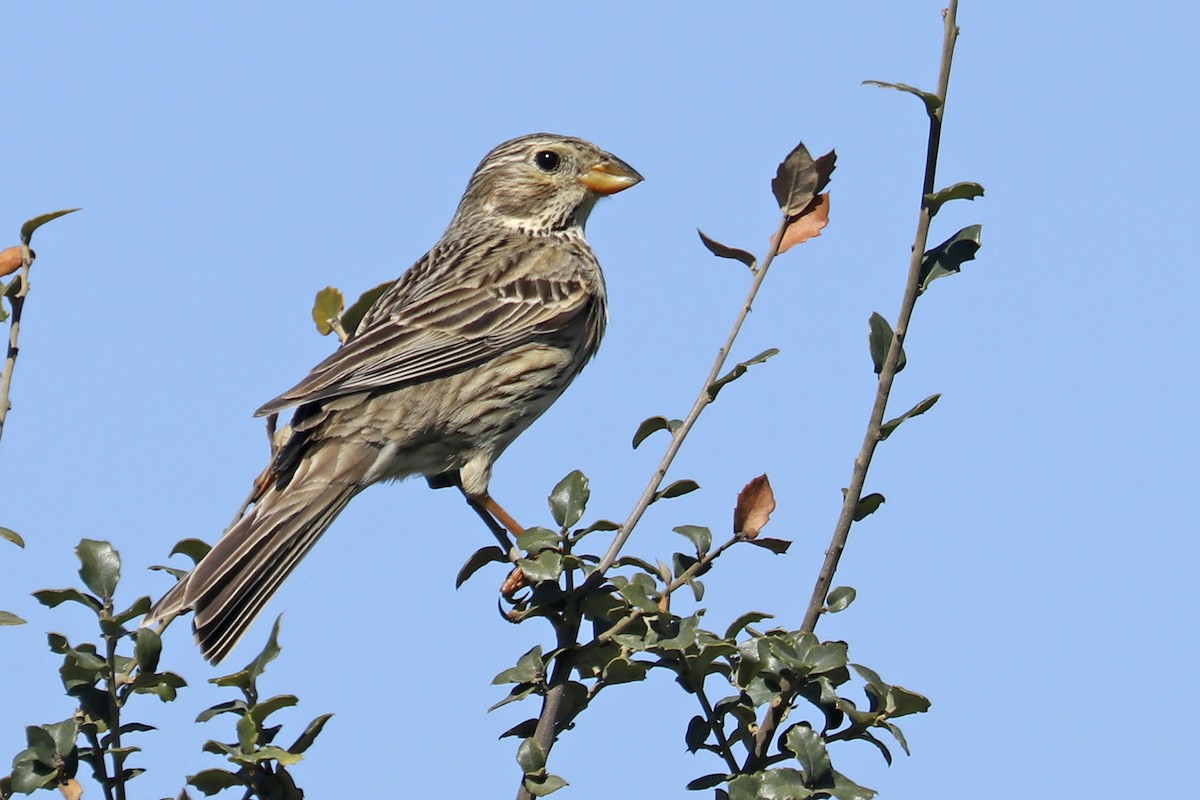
[
  {"x": 806, "y": 225},
  {"x": 724, "y": 251},
  {"x": 327, "y": 307},
  {"x": 755, "y": 503},
  {"x": 10, "y": 260},
  {"x": 795, "y": 181}
]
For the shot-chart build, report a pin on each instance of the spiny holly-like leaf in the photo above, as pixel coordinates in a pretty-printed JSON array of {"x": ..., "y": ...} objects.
[
  {"x": 959, "y": 191},
  {"x": 481, "y": 557},
  {"x": 881, "y": 342},
  {"x": 808, "y": 747},
  {"x": 795, "y": 181},
  {"x": 54, "y": 597},
  {"x": 10, "y": 260},
  {"x": 920, "y": 408},
  {"x": 784, "y": 783},
  {"x": 653, "y": 424},
  {"x": 9, "y": 618},
  {"x": 845, "y": 789},
  {"x": 569, "y": 499},
  {"x": 867, "y": 506},
  {"x": 100, "y": 566},
  {"x": 739, "y": 370},
  {"x": 327, "y": 308},
  {"x": 806, "y": 225},
  {"x": 721, "y": 251},
  {"x": 12, "y": 536},
  {"x": 840, "y": 599},
  {"x": 755, "y": 503},
  {"x": 355, "y": 313},
  {"x": 32, "y": 225},
  {"x": 949, "y": 256},
  {"x": 931, "y": 101}
]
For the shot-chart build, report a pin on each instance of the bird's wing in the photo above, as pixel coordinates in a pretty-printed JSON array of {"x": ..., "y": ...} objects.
[{"x": 426, "y": 329}]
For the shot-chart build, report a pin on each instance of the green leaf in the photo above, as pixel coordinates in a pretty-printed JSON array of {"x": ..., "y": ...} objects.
[
  {"x": 100, "y": 566},
  {"x": 808, "y": 747},
  {"x": 530, "y": 756},
  {"x": 195, "y": 549},
  {"x": 546, "y": 567},
  {"x": 949, "y": 256},
  {"x": 355, "y": 313},
  {"x": 845, "y": 789},
  {"x": 246, "y": 677},
  {"x": 266, "y": 708},
  {"x": 698, "y": 730},
  {"x": 9, "y": 618},
  {"x": 64, "y": 734},
  {"x": 920, "y": 408},
  {"x": 677, "y": 489},
  {"x": 698, "y": 535},
  {"x": 738, "y": 371},
  {"x": 773, "y": 784},
  {"x": 708, "y": 781},
  {"x": 138, "y": 609},
  {"x": 722, "y": 251},
  {"x": 881, "y": 341},
  {"x": 147, "y": 647},
  {"x": 899, "y": 735},
  {"x": 529, "y": 669},
  {"x": 10, "y": 534},
  {"x": 535, "y": 540},
  {"x": 310, "y": 734},
  {"x": 749, "y": 618},
  {"x": 901, "y": 702},
  {"x": 237, "y": 706},
  {"x": 776, "y": 546},
  {"x": 247, "y": 733},
  {"x": 211, "y": 781},
  {"x": 932, "y": 101},
  {"x": 652, "y": 424},
  {"x": 795, "y": 181},
  {"x": 867, "y": 506},
  {"x": 32, "y": 225},
  {"x": 478, "y": 559},
  {"x": 327, "y": 308},
  {"x": 959, "y": 191},
  {"x": 54, "y": 597},
  {"x": 164, "y": 685},
  {"x": 543, "y": 785},
  {"x": 840, "y": 599},
  {"x": 569, "y": 499}
]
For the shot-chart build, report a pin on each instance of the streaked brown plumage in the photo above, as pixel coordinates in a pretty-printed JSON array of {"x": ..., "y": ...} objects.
[{"x": 452, "y": 362}]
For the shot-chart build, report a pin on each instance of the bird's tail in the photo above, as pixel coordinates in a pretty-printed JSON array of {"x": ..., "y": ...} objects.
[{"x": 231, "y": 584}]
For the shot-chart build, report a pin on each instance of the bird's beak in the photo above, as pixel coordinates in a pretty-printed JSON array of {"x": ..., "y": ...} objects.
[{"x": 610, "y": 175}]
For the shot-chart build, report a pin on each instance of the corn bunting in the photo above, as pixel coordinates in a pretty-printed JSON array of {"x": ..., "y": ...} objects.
[{"x": 453, "y": 361}]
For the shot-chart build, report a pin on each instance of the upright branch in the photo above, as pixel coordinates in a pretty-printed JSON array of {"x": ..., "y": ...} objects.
[
  {"x": 935, "y": 107},
  {"x": 19, "y": 257}
]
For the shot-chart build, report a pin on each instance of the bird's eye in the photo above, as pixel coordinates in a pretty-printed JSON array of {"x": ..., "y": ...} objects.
[{"x": 547, "y": 160}]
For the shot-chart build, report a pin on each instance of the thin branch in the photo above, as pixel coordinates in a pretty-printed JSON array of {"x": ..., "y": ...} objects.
[
  {"x": 862, "y": 462},
  {"x": 702, "y": 400},
  {"x": 17, "y": 302}
]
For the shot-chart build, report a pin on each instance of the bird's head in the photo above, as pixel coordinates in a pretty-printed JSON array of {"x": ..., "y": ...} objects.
[{"x": 542, "y": 182}]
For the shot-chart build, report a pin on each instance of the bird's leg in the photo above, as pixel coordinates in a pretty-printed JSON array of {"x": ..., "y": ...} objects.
[{"x": 497, "y": 520}]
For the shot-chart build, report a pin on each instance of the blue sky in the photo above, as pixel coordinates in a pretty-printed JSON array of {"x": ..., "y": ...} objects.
[{"x": 1035, "y": 563}]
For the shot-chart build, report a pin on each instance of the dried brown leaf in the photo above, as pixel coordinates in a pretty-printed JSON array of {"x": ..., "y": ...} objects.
[
  {"x": 806, "y": 225},
  {"x": 754, "y": 506},
  {"x": 10, "y": 260},
  {"x": 71, "y": 790}
]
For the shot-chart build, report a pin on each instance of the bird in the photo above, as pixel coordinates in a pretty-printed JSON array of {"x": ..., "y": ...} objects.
[{"x": 454, "y": 360}]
